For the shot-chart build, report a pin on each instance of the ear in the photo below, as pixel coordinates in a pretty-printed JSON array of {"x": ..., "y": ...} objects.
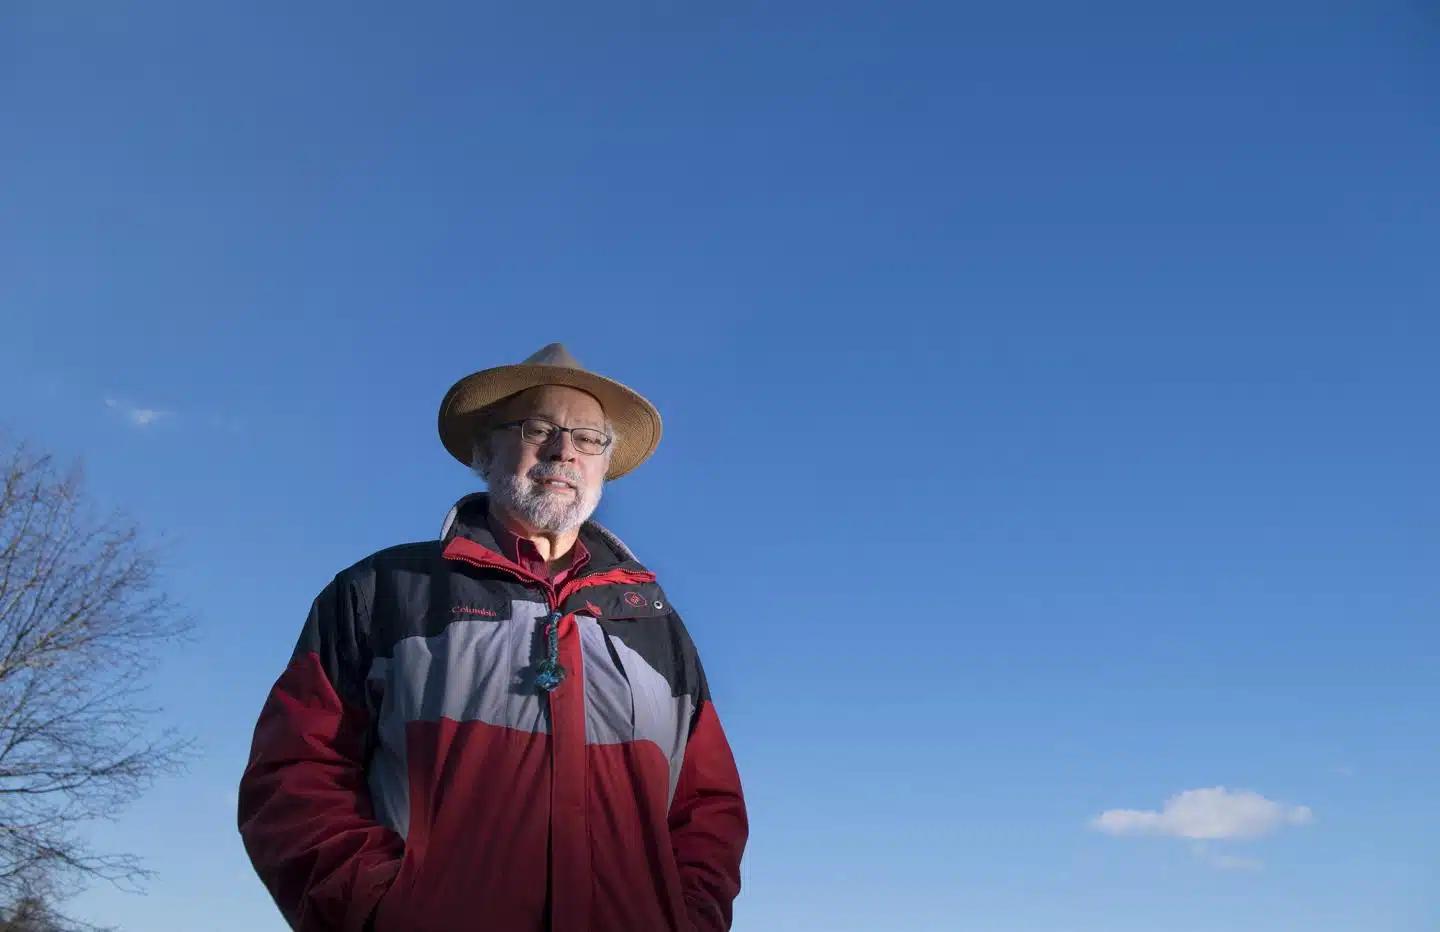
[{"x": 480, "y": 455}]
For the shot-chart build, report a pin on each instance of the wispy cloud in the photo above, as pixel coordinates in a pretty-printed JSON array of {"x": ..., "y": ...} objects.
[
  {"x": 1214, "y": 813},
  {"x": 136, "y": 415}
]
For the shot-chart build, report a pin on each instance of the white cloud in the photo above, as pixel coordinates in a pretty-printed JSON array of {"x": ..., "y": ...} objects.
[
  {"x": 137, "y": 416},
  {"x": 1214, "y": 813}
]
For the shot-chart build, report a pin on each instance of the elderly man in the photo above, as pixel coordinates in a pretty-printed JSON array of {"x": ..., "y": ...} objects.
[{"x": 509, "y": 728}]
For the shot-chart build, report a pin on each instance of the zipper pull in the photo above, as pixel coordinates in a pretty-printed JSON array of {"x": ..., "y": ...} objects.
[{"x": 550, "y": 673}]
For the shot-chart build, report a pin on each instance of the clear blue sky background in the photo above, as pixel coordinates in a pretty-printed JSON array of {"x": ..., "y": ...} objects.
[{"x": 1050, "y": 403}]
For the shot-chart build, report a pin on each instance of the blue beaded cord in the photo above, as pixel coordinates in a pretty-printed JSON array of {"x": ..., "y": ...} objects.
[{"x": 549, "y": 673}]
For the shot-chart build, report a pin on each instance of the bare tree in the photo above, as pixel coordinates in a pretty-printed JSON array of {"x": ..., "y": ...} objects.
[
  {"x": 30, "y": 913},
  {"x": 80, "y": 612}
]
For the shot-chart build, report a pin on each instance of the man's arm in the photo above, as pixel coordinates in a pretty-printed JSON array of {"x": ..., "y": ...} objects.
[
  {"x": 305, "y": 813},
  {"x": 708, "y": 824}
]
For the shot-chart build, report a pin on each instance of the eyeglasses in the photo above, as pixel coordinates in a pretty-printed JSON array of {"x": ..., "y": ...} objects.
[{"x": 538, "y": 431}]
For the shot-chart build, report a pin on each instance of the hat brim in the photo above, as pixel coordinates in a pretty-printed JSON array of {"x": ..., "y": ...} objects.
[{"x": 636, "y": 420}]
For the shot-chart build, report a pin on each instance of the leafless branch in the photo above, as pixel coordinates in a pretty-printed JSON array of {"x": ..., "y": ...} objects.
[{"x": 81, "y": 612}]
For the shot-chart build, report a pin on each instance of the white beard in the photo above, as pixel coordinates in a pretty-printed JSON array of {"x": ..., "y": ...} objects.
[{"x": 543, "y": 510}]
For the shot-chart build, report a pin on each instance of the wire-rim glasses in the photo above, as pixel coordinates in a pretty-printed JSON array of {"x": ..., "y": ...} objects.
[{"x": 538, "y": 432}]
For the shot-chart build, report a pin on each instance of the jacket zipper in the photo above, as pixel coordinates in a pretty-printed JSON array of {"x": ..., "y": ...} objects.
[{"x": 554, "y": 600}]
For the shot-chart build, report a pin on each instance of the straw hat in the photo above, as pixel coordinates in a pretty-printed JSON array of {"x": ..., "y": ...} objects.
[{"x": 636, "y": 421}]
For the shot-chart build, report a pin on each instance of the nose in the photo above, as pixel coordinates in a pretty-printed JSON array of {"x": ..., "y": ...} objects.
[{"x": 559, "y": 447}]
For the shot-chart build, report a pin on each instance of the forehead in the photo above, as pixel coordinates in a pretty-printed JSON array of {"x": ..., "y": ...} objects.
[{"x": 560, "y": 403}]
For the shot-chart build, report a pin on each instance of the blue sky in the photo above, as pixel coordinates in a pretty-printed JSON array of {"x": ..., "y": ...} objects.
[{"x": 1049, "y": 391}]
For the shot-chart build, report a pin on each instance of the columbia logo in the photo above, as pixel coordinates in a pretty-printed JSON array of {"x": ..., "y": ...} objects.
[{"x": 467, "y": 610}]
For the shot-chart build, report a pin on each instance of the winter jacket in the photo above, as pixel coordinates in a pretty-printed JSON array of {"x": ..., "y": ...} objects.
[{"x": 408, "y": 775}]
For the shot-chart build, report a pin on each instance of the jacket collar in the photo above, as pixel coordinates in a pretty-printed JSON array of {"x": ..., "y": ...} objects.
[{"x": 469, "y": 518}]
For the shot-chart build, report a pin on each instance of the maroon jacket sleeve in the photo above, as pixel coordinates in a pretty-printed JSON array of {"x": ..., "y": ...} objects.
[
  {"x": 708, "y": 824},
  {"x": 305, "y": 813}
]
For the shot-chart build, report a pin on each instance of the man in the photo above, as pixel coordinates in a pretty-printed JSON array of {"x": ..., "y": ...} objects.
[{"x": 509, "y": 728}]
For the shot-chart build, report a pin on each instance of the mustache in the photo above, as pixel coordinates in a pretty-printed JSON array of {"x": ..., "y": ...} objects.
[{"x": 541, "y": 471}]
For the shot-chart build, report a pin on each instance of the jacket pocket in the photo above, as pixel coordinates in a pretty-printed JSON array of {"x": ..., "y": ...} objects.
[{"x": 609, "y": 697}]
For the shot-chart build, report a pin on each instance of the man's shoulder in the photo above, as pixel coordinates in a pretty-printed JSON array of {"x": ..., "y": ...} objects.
[{"x": 416, "y": 556}]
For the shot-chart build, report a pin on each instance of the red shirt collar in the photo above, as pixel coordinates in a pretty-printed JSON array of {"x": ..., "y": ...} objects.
[{"x": 522, "y": 551}]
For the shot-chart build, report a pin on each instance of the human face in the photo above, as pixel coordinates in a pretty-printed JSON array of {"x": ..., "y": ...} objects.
[{"x": 552, "y": 488}]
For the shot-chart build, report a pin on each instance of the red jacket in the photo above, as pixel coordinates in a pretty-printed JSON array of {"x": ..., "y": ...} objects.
[{"x": 408, "y": 775}]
